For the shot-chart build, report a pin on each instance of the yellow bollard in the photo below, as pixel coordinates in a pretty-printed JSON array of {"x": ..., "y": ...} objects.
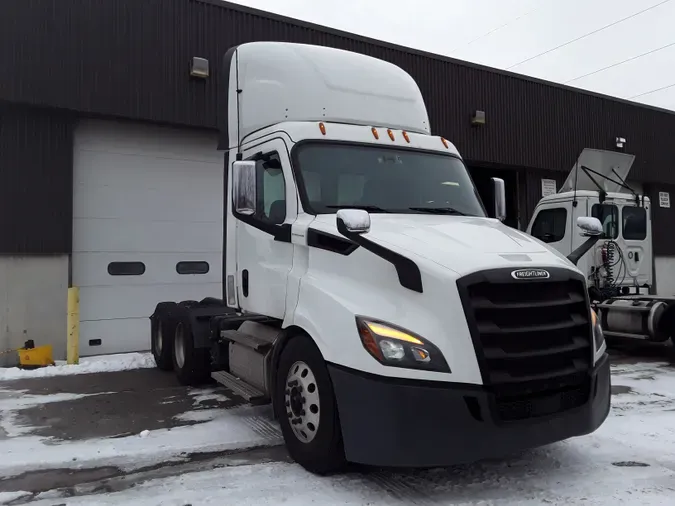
[{"x": 73, "y": 339}]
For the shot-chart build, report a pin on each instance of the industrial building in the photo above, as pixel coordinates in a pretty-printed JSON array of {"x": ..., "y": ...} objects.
[{"x": 110, "y": 177}]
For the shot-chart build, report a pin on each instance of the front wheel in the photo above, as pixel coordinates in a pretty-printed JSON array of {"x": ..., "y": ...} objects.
[{"x": 307, "y": 409}]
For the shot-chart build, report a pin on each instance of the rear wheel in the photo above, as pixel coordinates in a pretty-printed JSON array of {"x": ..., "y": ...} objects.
[
  {"x": 160, "y": 345},
  {"x": 307, "y": 409},
  {"x": 191, "y": 365}
]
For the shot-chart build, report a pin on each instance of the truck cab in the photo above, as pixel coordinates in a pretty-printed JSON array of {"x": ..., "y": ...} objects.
[
  {"x": 623, "y": 258},
  {"x": 367, "y": 295}
]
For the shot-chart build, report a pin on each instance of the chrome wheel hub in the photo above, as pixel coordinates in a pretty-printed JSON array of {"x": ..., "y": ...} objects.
[{"x": 302, "y": 402}]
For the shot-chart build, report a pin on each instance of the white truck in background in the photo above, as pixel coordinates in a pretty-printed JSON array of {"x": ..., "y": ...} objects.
[
  {"x": 367, "y": 295},
  {"x": 620, "y": 266}
]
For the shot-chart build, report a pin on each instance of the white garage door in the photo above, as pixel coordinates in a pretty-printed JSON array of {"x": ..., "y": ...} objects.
[{"x": 147, "y": 227}]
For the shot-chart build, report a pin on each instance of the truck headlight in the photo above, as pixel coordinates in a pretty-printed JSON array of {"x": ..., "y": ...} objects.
[
  {"x": 397, "y": 347},
  {"x": 598, "y": 334}
]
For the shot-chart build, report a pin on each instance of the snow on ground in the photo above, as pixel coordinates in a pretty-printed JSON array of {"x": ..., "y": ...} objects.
[
  {"x": 221, "y": 430},
  {"x": 87, "y": 365},
  {"x": 629, "y": 460}
]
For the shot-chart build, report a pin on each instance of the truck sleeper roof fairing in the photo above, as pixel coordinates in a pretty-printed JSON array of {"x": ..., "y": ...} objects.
[
  {"x": 611, "y": 167},
  {"x": 279, "y": 81}
]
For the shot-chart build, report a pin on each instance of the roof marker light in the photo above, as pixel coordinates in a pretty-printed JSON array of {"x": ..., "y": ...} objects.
[
  {"x": 391, "y": 134},
  {"x": 322, "y": 127},
  {"x": 375, "y": 133},
  {"x": 405, "y": 136},
  {"x": 445, "y": 143}
]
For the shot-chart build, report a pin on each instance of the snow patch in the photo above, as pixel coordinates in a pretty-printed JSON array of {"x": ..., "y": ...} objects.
[
  {"x": 236, "y": 428},
  {"x": 8, "y": 497},
  {"x": 87, "y": 365},
  {"x": 201, "y": 415},
  {"x": 8, "y": 408}
]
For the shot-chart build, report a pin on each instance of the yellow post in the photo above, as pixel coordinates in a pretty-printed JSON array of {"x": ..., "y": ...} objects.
[{"x": 73, "y": 342}]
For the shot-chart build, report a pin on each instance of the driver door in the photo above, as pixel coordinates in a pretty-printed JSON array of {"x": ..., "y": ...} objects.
[{"x": 264, "y": 253}]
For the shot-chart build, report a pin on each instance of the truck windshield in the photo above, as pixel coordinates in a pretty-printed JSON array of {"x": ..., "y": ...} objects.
[{"x": 377, "y": 179}]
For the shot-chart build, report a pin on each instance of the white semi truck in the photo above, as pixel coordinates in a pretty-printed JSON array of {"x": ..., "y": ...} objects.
[
  {"x": 620, "y": 266},
  {"x": 367, "y": 294}
]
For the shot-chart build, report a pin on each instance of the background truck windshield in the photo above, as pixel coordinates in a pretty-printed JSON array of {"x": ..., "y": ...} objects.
[{"x": 380, "y": 179}]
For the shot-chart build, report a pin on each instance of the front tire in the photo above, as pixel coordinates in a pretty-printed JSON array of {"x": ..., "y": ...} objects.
[
  {"x": 307, "y": 408},
  {"x": 191, "y": 365}
]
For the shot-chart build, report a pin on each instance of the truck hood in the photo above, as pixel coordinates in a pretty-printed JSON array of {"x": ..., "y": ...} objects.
[{"x": 461, "y": 244}]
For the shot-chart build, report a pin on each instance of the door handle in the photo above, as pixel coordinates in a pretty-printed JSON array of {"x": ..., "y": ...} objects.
[{"x": 244, "y": 282}]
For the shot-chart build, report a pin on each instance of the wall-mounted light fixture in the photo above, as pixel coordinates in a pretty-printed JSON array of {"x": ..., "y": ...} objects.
[
  {"x": 620, "y": 142},
  {"x": 478, "y": 118},
  {"x": 199, "y": 67}
]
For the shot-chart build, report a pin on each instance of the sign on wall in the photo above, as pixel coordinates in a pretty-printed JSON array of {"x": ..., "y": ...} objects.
[
  {"x": 548, "y": 187},
  {"x": 664, "y": 199}
]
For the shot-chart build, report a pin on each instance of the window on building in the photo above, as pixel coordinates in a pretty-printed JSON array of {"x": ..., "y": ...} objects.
[
  {"x": 126, "y": 268},
  {"x": 634, "y": 224},
  {"x": 192, "y": 267},
  {"x": 271, "y": 189},
  {"x": 608, "y": 214},
  {"x": 550, "y": 225}
]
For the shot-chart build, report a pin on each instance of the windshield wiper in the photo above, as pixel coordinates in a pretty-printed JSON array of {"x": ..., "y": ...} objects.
[
  {"x": 438, "y": 210},
  {"x": 370, "y": 209}
]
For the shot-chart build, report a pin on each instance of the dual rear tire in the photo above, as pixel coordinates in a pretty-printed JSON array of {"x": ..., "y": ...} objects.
[{"x": 173, "y": 347}]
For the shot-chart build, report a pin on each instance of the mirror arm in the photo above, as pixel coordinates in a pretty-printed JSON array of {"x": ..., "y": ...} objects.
[{"x": 576, "y": 255}]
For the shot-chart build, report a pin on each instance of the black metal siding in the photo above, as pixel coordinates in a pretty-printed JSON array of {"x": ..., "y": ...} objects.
[
  {"x": 130, "y": 58},
  {"x": 36, "y": 160},
  {"x": 663, "y": 220},
  {"x": 532, "y": 193}
]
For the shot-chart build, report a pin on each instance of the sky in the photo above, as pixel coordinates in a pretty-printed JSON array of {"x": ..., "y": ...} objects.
[{"x": 622, "y": 48}]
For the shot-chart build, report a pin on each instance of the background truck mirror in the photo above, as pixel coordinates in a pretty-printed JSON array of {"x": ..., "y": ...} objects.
[
  {"x": 244, "y": 196},
  {"x": 499, "y": 195},
  {"x": 589, "y": 226},
  {"x": 355, "y": 221}
]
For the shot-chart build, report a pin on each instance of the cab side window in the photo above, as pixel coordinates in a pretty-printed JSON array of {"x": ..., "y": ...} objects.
[
  {"x": 550, "y": 224},
  {"x": 608, "y": 215},
  {"x": 270, "y": 189},
  {"x": 634, "y": 223}
]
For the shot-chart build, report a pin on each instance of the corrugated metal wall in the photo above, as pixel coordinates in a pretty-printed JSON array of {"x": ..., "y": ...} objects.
[
  {"x": 36, "y": 159},
  {"x": 663, "y": 220},
  {"x": 130, "y": 58}
]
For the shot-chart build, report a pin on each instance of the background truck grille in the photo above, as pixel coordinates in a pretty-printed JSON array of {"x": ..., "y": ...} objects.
[{"x": 532, "y": 339}]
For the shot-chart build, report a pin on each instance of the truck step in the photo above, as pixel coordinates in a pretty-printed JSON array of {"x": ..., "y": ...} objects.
[{"x": 240, "y": 387}]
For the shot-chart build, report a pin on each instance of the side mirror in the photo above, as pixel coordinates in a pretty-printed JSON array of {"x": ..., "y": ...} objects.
[
  {"x": 244, "y": 196},
  {"x": 590, "y": 227},
  {"x": 353, "y": 221},
  {"x": 499, "y": 195}
]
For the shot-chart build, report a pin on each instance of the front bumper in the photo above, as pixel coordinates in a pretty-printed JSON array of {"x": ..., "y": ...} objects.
[{"x": 405, "y": 423}]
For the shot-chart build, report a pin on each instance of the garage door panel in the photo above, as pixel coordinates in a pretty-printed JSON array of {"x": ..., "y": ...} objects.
[
  {"x": 135, "y": 138},
  {"x": 92, "y": 235},
  {"x": 92, "y": 269},
  {"x": 144, "y": 194},
  {"x": 115, "y": 336},
  {"x": 121, "y": 302},
  {"x": 164, "y": 189},
  {"x": 160, "y": 268}
]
